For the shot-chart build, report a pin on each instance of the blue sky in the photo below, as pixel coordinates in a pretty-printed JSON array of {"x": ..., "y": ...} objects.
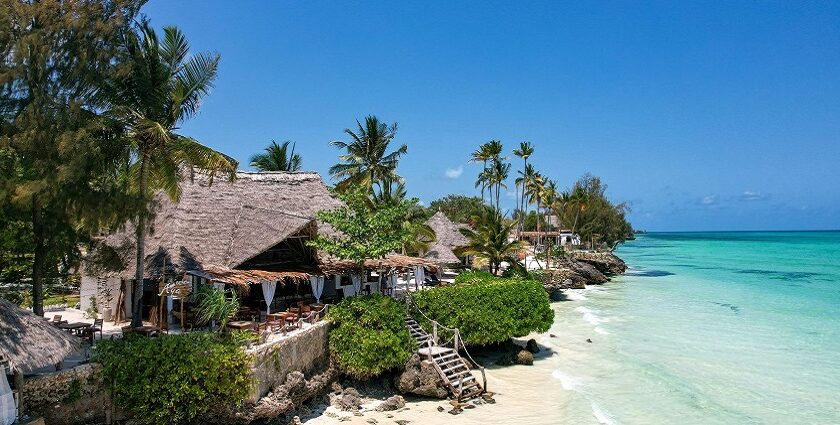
[{"x": 703, "y": 115}]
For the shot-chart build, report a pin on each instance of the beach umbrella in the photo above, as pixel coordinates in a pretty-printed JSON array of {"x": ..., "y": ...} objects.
[{"x": 29, "y": 342}]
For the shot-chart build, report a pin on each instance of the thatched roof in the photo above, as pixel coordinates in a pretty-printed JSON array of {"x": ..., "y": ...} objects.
[
  {"x": 441, "y": 254},
  {"x": 391, "y": 261},
  {"x": 226, "y": 223},
  {"x": 29, "y": 342},
  {"x": 448, "y": 238},
  {"x": 246, "y": 277}
]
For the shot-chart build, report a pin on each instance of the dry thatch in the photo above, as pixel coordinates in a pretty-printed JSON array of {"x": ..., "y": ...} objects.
[
  {"x": 226, "y": 223},
  {"x": 247, "y": 277},
  {"x": 448, "y": 238},
  {"x": 29, "y": 342},
  {"x": 391, "y": 261},
  {"x": 441, "y": 254}
]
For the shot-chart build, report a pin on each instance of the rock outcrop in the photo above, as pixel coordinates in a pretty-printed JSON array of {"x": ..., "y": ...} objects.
[
  {"x": 606, "y": 262},
  {"x": 421, "y": 378}
]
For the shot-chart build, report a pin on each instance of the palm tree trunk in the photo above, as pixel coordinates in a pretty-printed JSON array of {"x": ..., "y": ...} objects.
[
  {"x": 577, "y": 213},
  {"x": 137, "y": 298},
  {"x": 39, "y": 257},
  {"x": 522, "y": 200}
]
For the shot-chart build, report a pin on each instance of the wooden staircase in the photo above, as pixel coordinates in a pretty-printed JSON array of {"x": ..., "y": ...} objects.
[{"x": 448, "y": 362}]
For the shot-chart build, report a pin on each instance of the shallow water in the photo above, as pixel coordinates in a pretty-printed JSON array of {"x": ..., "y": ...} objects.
[{"x": 705, "y": 328}]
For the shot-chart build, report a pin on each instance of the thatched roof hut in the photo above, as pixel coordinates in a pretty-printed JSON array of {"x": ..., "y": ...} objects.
[
  {"x": 29, "y": 342},
  {"x": 448, "y": 238},
  {"x": 397, "y": 262},
  {"x": 258, "y": 221}
]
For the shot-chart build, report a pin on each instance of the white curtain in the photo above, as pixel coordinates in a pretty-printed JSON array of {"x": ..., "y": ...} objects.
[
  {"x": 357, "y": 283},
  {"x": 419, "y": 275},
  {"x": 8, "y": 409},
  {"x": 317, "y": 287},
  {"x": 219, "y": 285},
  {"x": 337, "y": 279},
  {"x": 268, "y": 289}
]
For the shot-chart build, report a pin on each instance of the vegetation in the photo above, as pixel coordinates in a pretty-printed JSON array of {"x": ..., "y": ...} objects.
[
  {"x": 214, "y": 305},
  {"x": 489, "y": 239},
  {"x": 458, "y": 208},
  {"x": 57, "y": 149},
  {"x": 596, "y": 218},
  {"x": 419, "y": 234},
  {"x": 367, "y": 160},
  {"x": 364, "y": 232},
  {"x": 487, "y": 309},
  {"x": 277, "y": 158},
  {"x": 369, "y": 335},
  {"x": 161, "y": 85},
  {"x": 174, "y": 379},
  {"x": 524, "y": 151}
]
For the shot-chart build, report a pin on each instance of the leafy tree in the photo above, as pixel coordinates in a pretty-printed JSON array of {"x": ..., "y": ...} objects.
[
  {"x": 459, "y": 208},
  {"x": 597, "y": 219},
  {"x": 367, "y": 160},
  {"x": 490, "y": 239},
  {"x": 277, "y": 158},
  {"x": 364, "y": 232},
  {"x": 393, "y": 193},
  {"x": 161, "y": 86},
  {"x": 58, "y": 151}
]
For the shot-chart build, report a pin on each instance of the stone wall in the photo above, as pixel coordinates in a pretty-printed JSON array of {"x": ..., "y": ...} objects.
[
  {"x": 72, "y": 396},
  {"x": 305, "y": 351}
]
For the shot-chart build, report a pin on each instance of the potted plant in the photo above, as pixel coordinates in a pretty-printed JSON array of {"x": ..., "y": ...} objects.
[{"x": 106, "y": 295}]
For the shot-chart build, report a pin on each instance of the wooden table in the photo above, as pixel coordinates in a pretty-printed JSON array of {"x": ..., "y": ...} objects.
[
  {"x": 241, "y": 324},
  {"x": 74, "y": 327}
]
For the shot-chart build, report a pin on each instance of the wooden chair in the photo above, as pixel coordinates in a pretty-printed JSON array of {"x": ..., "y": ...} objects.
[
  {"x": 57, "y": 320},
  {"x": 277, "y": 327},
  {"x": 91, "y": 331}
]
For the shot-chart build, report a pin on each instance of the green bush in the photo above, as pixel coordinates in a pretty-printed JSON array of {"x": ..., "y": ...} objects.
[
  {"x": 487, "y": 309},
  {"x": 174, "y": 378},
  {"x": 369, "y": 335}
]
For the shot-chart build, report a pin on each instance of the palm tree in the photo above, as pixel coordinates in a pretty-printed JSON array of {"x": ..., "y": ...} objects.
[
  {"x": 580, "y": 199},
  {"x": 367, "y": 161},
  {"x": 549, "y": 196},
  {"x": 482, "y": 154},
  {"x": 535, "y": 194},
  {"x": 524, "y": 179},
  {"x": 484, "y": 178},
  {"x": 161, "y": 88},
  {"x": 499, "y": 174},
  {"x": 277, "y": 158},
  {"x": 524, "y": 151},
  {"x": 490, "y": 239}
]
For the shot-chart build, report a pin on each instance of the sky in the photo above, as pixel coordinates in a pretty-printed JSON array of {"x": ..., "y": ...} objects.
[{"x": 701, "y": 115}]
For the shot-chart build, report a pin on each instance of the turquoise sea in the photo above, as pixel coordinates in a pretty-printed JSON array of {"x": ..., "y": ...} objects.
[{"x": 705, "y": 328}]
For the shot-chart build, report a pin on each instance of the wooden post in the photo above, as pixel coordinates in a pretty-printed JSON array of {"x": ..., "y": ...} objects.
[{"x": 19, "y": 388}]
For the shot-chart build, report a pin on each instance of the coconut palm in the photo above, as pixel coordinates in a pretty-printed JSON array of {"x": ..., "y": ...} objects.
[
  {"x": 580, "y": 201},
  {"x": 535, "y": 193},
  {"x": 524, "y": 179},
  {"x": 277, "y": 158},
  {"x": 161, "y": 87},
  {"x": 489, "y": 240},
  {"x": 500, "y": 172},
  {"x": 524, "y": 151},
  {"x": 367, "y": 161},
  {"x": 482, "y": 154}
]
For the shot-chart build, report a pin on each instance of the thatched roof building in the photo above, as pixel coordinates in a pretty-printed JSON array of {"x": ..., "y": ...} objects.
[
  {"x": 448, "y": 238},
  {"x": 29, "y": 342},
  {"x": 258, "y": 221}
]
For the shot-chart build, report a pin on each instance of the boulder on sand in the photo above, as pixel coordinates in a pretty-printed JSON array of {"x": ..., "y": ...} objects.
[
  {"x": 532, "y": 346},
  {"x": 421, "y": 378}
]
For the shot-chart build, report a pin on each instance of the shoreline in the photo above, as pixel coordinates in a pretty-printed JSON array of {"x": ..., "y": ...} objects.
[{"x": 537, "y": 394}]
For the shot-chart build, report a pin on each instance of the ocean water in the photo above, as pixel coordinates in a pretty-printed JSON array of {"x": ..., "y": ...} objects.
[{"x": 705, "y": 328}]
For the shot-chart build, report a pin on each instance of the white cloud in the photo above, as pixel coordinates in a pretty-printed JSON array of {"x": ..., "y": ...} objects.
[
  {"x": 709, "y": 200},
  {"x": 454, "y": 173},
  {"x": 753, "y": 196}
]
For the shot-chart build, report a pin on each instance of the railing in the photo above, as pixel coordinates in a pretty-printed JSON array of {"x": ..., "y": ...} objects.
[{"x": 456, "y": 340}]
